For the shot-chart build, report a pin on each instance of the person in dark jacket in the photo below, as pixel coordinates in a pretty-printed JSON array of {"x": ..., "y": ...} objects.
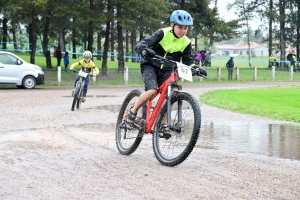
[
  {"x": 58, "y": 55},
  {"x": 230, "y": 66},
  {"x": 172, "y": 42}
]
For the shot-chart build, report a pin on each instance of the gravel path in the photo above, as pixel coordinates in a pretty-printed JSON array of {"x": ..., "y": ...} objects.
[{"x": 49, "y": 152}]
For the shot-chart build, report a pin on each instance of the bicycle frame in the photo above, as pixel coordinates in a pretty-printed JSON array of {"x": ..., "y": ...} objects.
[{"x": 164, "y": 91}]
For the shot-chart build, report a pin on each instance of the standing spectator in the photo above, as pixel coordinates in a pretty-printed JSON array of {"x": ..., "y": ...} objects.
[
  {"x": 208, "y": 59},
  {"x": 203, "y": 60},
  {"x": 271, "y": 60},
  {"x": 230, "y": 66},
  {"x": 58, "y": 55},
  {"x": 294, "y": 59},
  {"x": 66, "y": 61},
  {"x": 198, "y": 58}
]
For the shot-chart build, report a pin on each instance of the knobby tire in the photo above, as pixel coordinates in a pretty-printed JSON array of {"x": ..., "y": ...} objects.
[
  {"x": 173, "y": 151},
  {"x": 128, "y": 145},
  {"x": 80, "y": 96},
  {"x": 76, "y": 95}
]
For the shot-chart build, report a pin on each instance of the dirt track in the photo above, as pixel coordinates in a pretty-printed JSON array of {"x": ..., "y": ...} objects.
[{"x": 49, "y": 152}]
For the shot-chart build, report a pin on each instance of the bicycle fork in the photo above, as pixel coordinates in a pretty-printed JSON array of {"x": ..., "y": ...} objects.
[{"x": 176, "y": 126}]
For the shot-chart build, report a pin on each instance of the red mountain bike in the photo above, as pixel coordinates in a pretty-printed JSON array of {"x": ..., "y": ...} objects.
[{"x": 183, "y": 115}]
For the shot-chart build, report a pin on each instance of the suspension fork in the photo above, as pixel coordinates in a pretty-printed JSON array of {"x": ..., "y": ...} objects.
[
  {"x": 82, "y": 82},
  {"x": 169, "y": 105}
]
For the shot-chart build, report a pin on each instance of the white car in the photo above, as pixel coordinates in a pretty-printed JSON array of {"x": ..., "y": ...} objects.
[{"x": 15, "y": 71}]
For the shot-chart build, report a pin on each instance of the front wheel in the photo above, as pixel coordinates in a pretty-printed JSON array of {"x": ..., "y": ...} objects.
[
  {"x": 184, "y": 126},
  {"x": 79, "y": 100},
  {"x": 127, "y": 141},
  {"x": 76, "y": 95}
]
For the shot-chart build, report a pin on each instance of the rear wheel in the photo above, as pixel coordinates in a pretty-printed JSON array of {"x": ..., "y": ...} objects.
[
  {"x": 76, "y": 94},
  {"x": 127, "y": 141},
  {"x": 184, "y": 126}
]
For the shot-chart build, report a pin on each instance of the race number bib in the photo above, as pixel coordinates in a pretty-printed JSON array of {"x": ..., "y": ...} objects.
[
  {"x": 184, "y": 72},
  {"x": 83, "y": 74}
]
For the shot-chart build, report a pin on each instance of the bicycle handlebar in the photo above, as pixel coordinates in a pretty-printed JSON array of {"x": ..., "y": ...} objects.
[{"x": 174, "y": 62}]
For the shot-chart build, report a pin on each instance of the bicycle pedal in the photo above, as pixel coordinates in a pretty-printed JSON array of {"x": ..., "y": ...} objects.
[{"x": 122, "y": 125}]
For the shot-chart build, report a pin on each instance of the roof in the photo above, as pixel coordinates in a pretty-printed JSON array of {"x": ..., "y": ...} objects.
[{"x": 239, "y": 46}]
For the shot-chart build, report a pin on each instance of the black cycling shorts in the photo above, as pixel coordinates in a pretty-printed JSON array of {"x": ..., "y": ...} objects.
[{"x": 154, "y": 77}]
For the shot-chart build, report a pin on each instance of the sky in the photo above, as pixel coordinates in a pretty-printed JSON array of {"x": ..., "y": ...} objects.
[{"x": 229, "y": 15}]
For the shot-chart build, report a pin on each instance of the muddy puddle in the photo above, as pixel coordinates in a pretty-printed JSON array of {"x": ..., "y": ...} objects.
[{"x": 275, "y": 140}]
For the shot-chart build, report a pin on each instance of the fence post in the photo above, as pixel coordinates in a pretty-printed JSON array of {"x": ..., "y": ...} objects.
[
  {"x": 94, "y": 80},
  {"x": 291, "y": 72},
  {"x": 255, "y": 74},
  {"x": 126, "y": 75},
  {"x": 58, "y": 75},
  {"x": 237, "y": 73},
  {"x": 273, "y": 73},
  {"x": 219, "y": 73}
]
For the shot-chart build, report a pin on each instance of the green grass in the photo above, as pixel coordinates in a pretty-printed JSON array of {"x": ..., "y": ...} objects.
[
  {"x": 116, "y": 78},
  {"x": 280, "y": 103}
]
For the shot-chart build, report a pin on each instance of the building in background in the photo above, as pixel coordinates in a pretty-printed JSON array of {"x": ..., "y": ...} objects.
[{"x": 241, "y": 49}]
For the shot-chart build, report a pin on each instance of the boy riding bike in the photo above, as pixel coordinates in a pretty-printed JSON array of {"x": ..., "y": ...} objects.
[
  {"x": 169, "y": 42},
  {"x": 86, "y": 62}
]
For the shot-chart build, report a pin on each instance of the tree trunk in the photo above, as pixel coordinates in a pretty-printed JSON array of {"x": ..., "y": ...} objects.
[
  {"x": 196, "y": 45},
  {"x": 248, "y": 42},
  {"x": 127, "y": 46},
  {"x": 61, "y": 41},
  {"x": 120, "y": 38},
  {"x": 282, "y": 32},
  {"x": 45, "y": 41},
  {"x": 90, "y": 36},
  {"x": 33, "y": 35},
  {"x": 133, "y": 44},
  {"x": 112, "y": 43},
  {"x": 5, "y": 33},
  {"x": 98, "y": 46},
  {"x": 270, "y": 28},
  {"x": 74, "y": 40},
  {"x": 30, "y": 37},
  {"x": 298, "y": 29},
  {"x": 106, "y": 41},
  {"x": 90, "y": 29},
  {"x": 13, "y": 30}
]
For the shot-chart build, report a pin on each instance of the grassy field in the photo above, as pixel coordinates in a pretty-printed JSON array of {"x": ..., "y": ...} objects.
[
  {"x": 280, "y": 103},
  {"x": 220, "y": 61},
  {"x": 114, "y": 77}
]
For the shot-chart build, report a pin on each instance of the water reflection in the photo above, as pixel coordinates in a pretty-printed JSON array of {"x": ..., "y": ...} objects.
[{"x": 274, "y": 140}]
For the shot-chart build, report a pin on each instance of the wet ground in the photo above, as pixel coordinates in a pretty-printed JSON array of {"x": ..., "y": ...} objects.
[
  {"x": 276, "y": 140},
  {"x": 48, "y": 151}
]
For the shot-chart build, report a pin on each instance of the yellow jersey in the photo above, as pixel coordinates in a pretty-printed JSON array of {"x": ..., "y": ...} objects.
[{"x": 90, "y": 65}]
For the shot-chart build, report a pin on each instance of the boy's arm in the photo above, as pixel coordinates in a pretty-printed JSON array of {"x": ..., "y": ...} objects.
[
  {"x": 74, "y": 65},
  {"x": 96, "y": 70}
]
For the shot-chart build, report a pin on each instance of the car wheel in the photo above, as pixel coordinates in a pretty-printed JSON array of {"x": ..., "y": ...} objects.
[{"x": 29, "y": 82}]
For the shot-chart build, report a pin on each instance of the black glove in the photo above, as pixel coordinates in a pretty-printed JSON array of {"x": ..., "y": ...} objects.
[
  {"x": 202, "y": 72},
  {"x": 148, "y": 53},
  {"x": 198, "y": 71}
]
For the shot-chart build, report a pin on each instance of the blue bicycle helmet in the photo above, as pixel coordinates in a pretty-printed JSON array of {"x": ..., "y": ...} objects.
[{"x": 181, "y": 17}]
